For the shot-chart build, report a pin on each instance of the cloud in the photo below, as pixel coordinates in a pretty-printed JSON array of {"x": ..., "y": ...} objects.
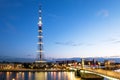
[
  {"x": 30, "y": 56},
  {"x": 90, "y": 44},
  {"x": 11, "y": 27},
  {"x": 118, "y": 41},
  {"x": 103, "y": 12},
  {"x": 54, "y": 16},
  {"x": 110, "y": 40},
  {"x": 69, "y": 43},
  {"x": 8, "y": 27}
]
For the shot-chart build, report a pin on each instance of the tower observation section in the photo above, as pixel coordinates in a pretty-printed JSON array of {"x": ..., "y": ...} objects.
[{"x": 40, "y": 36}]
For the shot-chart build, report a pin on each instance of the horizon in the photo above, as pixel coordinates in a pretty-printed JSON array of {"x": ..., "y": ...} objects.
[
  {"x": 62, "y": 57},
  {"x": 80, "y": 28},
  {"x": 101, "y": 59}
]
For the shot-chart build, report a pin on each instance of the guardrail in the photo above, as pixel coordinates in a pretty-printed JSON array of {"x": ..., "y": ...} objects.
[{"x": 106, "y": 73}]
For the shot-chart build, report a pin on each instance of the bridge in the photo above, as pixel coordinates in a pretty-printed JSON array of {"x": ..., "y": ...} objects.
[{"x": 104, "y": 73}]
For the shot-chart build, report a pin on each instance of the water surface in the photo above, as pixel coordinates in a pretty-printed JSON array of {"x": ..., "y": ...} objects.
[{"x": 38, "y": 76}]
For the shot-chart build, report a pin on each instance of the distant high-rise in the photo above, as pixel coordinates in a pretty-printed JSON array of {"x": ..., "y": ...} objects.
[{"x": 40, "y": 36}]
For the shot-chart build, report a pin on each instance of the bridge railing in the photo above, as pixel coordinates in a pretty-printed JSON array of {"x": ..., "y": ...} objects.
[{"x": 106, "y": 72}]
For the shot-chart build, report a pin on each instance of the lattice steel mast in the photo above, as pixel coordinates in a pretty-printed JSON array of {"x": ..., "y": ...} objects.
[{"x": 40, "y": 36}]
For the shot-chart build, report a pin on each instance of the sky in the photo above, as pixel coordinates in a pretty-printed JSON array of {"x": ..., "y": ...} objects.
[{"x": 71, "y": 28}]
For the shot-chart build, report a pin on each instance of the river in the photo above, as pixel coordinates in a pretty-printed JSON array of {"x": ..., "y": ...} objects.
[{"x": 39, "y": 76}]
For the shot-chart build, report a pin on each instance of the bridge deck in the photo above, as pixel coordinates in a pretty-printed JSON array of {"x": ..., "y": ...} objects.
[{"x": 106, "y": 72}]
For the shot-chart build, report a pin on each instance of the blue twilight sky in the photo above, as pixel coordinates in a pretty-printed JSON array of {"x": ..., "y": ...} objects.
[{"x": 71, "y": 28}]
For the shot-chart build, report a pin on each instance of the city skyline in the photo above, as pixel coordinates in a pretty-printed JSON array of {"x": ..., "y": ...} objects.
[{"x": 71, "y": 28}]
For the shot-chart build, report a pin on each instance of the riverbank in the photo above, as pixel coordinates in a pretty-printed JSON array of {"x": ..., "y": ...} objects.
[{"x": 35, "y": 70}]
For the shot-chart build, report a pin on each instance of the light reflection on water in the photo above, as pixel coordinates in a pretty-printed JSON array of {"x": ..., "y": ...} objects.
[{"x": 38, "y": 76}]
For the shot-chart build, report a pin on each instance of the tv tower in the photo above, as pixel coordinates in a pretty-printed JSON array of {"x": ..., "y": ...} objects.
[{"x": 40, "y": 36}]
